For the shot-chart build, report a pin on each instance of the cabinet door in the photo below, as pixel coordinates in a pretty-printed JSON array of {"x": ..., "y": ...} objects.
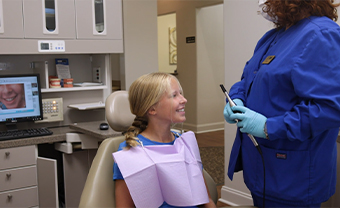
[
  {"x": 76, "y": 168},
  {"x": 11, "y": 22},
  {"x": 49, "y": 19},
  {"x": 47, "y": 182},
  {"x": 99, "y": 19}
]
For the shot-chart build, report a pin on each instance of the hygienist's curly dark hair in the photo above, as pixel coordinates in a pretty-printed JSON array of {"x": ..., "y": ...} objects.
[{"x": 288, "y": 12}]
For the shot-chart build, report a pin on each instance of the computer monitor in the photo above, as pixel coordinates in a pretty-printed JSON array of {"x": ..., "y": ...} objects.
[{"x": 20, "y": 99}]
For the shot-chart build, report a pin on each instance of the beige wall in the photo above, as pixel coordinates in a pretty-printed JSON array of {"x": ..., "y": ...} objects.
[
  {"x": 140, "y": 40},
  {"x": 187, "y": 60},
  {"x": 210, "y": 68},
  {"x": 243, "y": 27}
]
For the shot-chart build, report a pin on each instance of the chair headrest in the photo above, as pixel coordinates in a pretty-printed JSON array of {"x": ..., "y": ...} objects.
[{"x": 117, "y": 111}]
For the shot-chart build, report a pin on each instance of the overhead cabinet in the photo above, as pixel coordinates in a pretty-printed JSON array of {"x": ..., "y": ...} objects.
[
  {"x": 95, "y": 20},
  {"x": 51, "y": 19},
  {"x": 11, "y": 19},
  {"x": 57, "y": 19},
  {"x": 80, "y": 26}
]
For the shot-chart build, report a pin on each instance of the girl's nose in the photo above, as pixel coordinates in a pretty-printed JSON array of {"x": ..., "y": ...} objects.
[{"x": 183, "y": 100}]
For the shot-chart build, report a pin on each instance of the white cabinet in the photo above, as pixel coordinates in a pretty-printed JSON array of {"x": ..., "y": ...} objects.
[
  {"x": 84, "y": 26},
  {"x": 99, "y": 19},
  {"x": 47, "y": 182},
  {"x": 11, "y": 19},
  {"x": 54, "y": 21},
  {"x": 78, "y": 19},
  {"x": 18, "y": 177}
]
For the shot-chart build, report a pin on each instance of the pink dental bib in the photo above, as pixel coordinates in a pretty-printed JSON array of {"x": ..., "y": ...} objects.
[{"x": 170, "y": 173}]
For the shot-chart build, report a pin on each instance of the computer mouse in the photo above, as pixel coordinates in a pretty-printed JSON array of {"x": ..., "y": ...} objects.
[{"x": 104, "y": 126}]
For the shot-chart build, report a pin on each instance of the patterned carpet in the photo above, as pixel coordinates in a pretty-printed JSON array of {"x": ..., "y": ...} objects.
[{"x": 213, "y": 162}]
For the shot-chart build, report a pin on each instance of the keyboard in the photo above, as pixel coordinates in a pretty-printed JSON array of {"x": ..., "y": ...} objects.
[{"x": 24, "y": 133}]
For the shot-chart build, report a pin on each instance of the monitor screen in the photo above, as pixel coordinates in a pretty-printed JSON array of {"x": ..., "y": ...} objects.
[{"x": 20, "y": 98}]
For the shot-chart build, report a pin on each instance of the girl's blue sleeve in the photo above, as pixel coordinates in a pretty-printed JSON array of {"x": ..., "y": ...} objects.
[{"x": 117, "y": 175}]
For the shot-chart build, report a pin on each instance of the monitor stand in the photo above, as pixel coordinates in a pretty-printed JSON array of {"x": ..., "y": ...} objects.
[{"x": 11, "y": 126}]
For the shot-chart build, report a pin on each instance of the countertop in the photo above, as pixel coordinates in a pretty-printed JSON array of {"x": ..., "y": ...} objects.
[
  {"x": 92, "y": 129},
  {"x": 59, "y": 134}
]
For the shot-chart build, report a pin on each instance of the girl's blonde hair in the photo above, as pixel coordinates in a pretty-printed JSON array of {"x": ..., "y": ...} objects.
[{"x": 145, "y": 92}]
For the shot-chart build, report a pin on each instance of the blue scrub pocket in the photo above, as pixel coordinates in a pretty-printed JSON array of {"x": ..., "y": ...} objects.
[{"x": 287, "y": 174}]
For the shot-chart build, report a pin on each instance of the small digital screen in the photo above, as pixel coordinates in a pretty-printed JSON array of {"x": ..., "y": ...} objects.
[{"x": 44, "y": 46}]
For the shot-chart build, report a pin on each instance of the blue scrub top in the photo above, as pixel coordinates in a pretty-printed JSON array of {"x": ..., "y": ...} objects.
[{"x": 299, "y": 92}]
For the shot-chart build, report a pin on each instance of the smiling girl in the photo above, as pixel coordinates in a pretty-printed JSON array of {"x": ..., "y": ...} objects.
[{"x": 157, "y": 101}]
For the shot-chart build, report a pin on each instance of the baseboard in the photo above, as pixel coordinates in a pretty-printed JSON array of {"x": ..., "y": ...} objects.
[
  {"x": 203, "y": 128},
  {"x": 235, "y": 197}
]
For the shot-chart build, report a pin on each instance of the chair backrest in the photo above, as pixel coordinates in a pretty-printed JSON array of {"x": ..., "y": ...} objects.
[
  {"x": 211, "y": 186},
  {"x": 117, "y": 111},
  {"x": 99, "y": 186}
]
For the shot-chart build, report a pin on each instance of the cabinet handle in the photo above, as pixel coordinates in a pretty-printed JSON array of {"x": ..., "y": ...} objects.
[
  {"x": 9, "y": 197},
  {"x": 7, "y": 154},
  {"x": 8, "y": 175}
]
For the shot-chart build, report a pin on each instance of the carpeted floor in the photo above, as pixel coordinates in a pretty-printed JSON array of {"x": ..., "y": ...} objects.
[{"x": 213, "y": 162}]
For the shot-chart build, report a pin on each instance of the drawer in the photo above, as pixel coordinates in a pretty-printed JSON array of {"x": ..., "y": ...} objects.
[
  {"x": 20, "y": 198},
  {"x": 18, "y": 178},
  {"x": 18, "y": 156}
]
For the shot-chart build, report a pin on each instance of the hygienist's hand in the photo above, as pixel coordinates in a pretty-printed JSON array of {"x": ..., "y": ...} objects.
[
  {"x": 249, "y": 121},
  {"x": 228, "y": 112}
]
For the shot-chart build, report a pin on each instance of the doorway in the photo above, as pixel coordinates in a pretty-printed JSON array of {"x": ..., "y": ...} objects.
[
  {"x": 167, "y": 43},
  {"x": 210, "y": 66}
]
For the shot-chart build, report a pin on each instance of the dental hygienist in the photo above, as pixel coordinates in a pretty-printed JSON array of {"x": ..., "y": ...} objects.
[{"x": 289, "y": 99}]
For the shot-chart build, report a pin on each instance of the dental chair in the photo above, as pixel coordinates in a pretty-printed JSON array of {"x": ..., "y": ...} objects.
[{"x": 99, "y": 186}]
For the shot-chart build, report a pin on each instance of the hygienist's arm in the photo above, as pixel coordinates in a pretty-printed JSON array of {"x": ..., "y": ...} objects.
[
  {"x": 122, "y": 195},
  {"x": 210, "y": 204}
]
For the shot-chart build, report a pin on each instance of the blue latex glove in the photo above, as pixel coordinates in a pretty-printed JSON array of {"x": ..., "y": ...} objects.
[
  {"x": 249, "y": 121},
  {"x": 228, "y": 112}
]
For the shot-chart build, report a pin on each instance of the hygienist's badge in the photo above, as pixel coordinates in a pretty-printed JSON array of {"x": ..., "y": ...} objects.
[{"x": 268, "y": 59}]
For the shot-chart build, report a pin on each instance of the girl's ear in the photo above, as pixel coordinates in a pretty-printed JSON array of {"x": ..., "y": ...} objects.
[{"x": 152, "y": 111}]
